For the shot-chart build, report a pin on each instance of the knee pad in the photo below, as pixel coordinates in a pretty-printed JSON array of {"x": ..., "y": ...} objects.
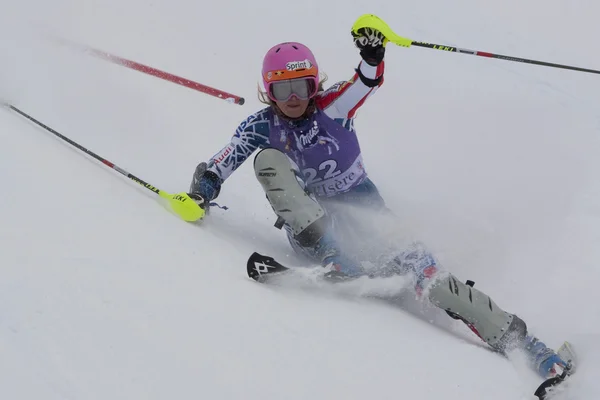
[
  {"x": 284, "y": 189},
  {"x": 498, "y": 328}
]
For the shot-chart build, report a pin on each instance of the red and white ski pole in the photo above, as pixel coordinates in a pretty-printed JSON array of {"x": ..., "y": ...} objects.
[{"x": 230, "y": 98}]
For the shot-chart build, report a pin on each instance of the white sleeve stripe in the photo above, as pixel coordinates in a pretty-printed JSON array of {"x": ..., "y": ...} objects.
[{"x": 348, "y": 100}]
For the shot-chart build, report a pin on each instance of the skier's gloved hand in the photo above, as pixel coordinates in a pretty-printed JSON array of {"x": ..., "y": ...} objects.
[
  {"x": 371, "y": 44},
  {"x": 205, "y": 183}
]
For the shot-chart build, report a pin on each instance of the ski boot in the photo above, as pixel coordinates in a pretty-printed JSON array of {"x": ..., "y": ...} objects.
[{"x": 544, "y": 360}]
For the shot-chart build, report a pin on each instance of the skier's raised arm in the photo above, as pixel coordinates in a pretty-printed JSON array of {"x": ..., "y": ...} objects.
[{"x": 342, "y": 99}]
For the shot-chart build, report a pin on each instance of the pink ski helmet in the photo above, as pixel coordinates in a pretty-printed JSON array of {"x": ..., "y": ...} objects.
[{"x": 289, "y": 60}]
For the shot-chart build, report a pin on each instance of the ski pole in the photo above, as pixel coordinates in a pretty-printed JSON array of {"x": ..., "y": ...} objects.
[
  {"x": 180, "y": 203},
  {"x": 228, "y": 97},
  {"x": 374, "y": 22}
]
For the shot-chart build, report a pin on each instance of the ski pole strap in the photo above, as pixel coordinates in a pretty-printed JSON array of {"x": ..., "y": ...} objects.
[{"x": 217, "y": 205}]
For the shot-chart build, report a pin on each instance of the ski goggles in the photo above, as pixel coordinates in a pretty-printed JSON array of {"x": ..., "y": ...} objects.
[{"x": 302, "y": 88}]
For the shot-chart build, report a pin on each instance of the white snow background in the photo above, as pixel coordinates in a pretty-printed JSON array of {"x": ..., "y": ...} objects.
[{"x": 106, "y": 295}]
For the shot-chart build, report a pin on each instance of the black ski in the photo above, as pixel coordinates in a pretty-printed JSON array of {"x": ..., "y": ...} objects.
[
  {"x": 260, "y": 266},
  {"x": 544, "y": 392}
]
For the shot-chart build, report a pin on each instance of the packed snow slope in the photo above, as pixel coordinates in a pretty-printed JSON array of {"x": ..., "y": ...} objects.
[{"x": 104, "y": 294}]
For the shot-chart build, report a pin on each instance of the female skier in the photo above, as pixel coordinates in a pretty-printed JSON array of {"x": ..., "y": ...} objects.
[{"x": 310, "y": 167}]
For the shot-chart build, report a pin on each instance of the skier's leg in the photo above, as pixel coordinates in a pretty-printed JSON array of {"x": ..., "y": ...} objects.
[
  {"x": 285, "y": 191},
  {"x": 461, "y": 301},
  {"x": 308, "y": 226},
  {"x": 500, "y": 329}
]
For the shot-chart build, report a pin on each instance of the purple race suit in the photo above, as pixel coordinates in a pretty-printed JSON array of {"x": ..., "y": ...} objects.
[{"x": 327, "y": 154}]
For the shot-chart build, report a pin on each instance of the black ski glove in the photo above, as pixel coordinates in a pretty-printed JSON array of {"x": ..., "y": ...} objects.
[
  {"x": 370, "y": 43},
  {"x": 205, "y": 183}
]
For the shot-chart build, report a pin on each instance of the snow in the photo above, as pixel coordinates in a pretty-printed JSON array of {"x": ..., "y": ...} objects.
[{"x": 105, "y": 294}]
